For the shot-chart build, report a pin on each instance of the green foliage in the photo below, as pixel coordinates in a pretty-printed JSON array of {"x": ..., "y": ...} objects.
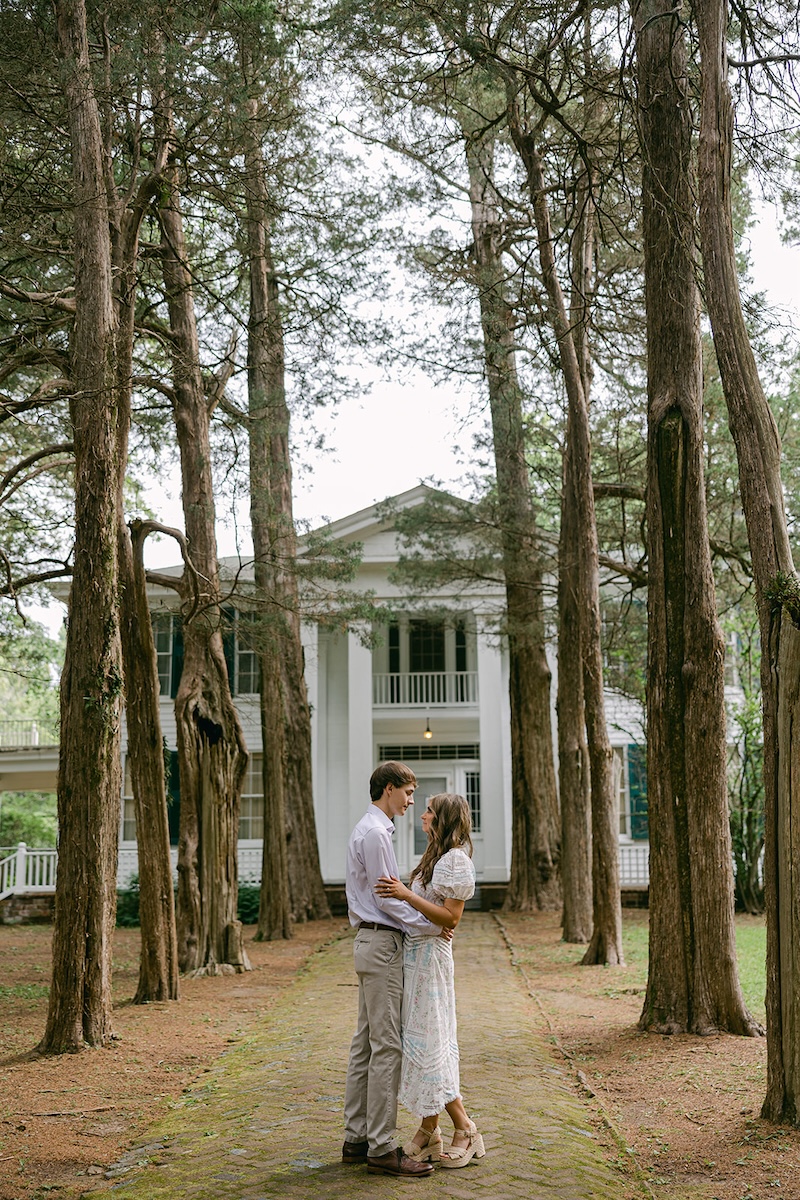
[
  {"x": 29, "y": 817},
  {"x": 128, "y": 905},
  {"x": 745, "y": 762},
  {"x": 247, "y": 909},
  {"x": 30, "y": 669},
  {"x": 784, "y": 592}
]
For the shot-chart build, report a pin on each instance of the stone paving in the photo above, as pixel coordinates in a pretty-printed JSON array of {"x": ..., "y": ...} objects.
[{"x": 266, "y": 1120}]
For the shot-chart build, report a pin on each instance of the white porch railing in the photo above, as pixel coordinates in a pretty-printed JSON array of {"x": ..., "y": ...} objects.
[
  {"x": 19, "y": 735},
  {"x": 249, "y": 863},
  {"x": 425, "y": 689},
  {"x": 26, "y": 872},
  {"x": 634, "y": 864}
]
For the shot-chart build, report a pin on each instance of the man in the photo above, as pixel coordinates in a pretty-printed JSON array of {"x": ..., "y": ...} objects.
[{"x": 373, "y": 1072}]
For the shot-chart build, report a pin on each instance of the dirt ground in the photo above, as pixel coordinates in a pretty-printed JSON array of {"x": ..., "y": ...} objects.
[
  {"x": 64, "y": 1120},
  {"x": 685, "y": 1109}
]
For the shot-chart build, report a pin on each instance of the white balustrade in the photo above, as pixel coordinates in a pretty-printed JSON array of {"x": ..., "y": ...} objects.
[
  {"x": 634, "y": 864},
  {"x": 27, "y": 872},
  {"x": 21, "y": 735},
  {"x": 425, "y": 689}
]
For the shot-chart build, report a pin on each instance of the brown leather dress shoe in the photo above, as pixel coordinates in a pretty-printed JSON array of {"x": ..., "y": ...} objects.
[
  {"x": 355, "y": 1152},
  {"x": 397, "y": 1163}
]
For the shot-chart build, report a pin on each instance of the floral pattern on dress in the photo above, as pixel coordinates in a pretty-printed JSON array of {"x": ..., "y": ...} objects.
[{"x": 430, "y": 1078}]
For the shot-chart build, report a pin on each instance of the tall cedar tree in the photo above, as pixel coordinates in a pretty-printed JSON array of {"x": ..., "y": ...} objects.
[
  {"x": 291, "y": 878},
  {"x": 534, "y": 881},
  {"x": 605, "y": 945},
  {"x": 89, "y": 784},
  {"x": 692, "y": 981},
  {"x": 212, "y": 754},
  {"x": 758, "y": 451}
]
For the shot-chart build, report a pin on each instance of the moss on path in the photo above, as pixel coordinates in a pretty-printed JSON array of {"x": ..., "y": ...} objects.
[{"x": 266, "y": 1120}]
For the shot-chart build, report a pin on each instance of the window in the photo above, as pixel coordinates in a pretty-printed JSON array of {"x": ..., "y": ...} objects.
[
  {"x": 162, "y": 635},
  {"x": 394, "y": 648},
  {"x": 251, "y": 812},
  {"x": 248, "y": 674},
  {"x": 424, "y": 752},
  {"x": 128, "y": 808},
  {"x": 461, "y": 647},
  {"x": 472, "y": 788},
  {"x": 622, "y": 792},
  {"x": 426, "y": 646},
  {"x": 238, "y": 639}
]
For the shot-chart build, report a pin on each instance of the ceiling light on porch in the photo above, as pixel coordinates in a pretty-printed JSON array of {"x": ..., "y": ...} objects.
[{"x": 427, "y": 734}]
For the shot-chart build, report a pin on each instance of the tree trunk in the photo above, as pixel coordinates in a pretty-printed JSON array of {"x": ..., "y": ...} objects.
[
  {"x": 692, "y": 981},
  {"x": 89, "y": 784},
  {"x": 158, "y": 960},
  {"x": 534, "y": 882},
  {"x": 285, "y": 713},
  {"x": 573, "y": 752},
  {"x": 606, "y": 941},
  {"x": 758, "y": 452},
  {"x": 212, "y": 754}
]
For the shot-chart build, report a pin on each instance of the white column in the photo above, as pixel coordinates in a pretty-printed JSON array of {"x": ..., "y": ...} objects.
[
  {"x": 359, "y": 725},
  {"x": 495, "y": 742}
]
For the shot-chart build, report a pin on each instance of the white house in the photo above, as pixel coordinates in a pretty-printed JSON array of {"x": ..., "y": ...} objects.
[{"x": 433, "y": 692}]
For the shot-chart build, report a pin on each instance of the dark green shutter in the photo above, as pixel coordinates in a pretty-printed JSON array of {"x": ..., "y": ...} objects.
[
  {"x": 637, "y": 782},
  {"x": 177, "y": 654},
  {"x": 229, "y": 643},
  {"x": 173, "y": 798}
]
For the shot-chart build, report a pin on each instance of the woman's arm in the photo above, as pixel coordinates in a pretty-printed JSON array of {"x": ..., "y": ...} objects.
[{"x": 447, "y": 915}]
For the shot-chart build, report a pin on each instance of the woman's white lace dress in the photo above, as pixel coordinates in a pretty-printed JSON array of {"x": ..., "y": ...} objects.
[{"x": 430, "y": 1050}]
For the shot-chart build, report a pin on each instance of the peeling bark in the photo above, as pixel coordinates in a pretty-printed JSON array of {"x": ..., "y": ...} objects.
[
  {"x": 89, "y": 784},
  {"x": 692, "y": 981}
]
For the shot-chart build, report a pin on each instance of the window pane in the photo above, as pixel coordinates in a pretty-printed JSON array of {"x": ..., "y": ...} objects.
[
  {"x": 162, "y": 634},
  {"x": 128, "y": 810},
  {"x": 251, "y": 812},
  {"x": 247, "y": 667},
  {"x": 473, "y": 797},
  {"x": 426, "y": 646}
]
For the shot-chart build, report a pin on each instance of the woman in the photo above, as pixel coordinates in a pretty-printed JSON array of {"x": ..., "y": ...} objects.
[{"x": 440, "y": 885}]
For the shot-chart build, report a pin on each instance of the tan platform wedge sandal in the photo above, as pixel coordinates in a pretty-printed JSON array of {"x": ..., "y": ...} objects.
[
  {"x": 459, "y": 1156},
  {"x": 432, "y": 1149}
]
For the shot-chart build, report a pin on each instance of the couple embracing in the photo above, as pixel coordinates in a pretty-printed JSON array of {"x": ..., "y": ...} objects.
[{"x": 404, "y": 1046}]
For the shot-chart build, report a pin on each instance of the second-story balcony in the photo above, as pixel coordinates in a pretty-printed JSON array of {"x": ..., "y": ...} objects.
[
  {"x": 24, "y": 735},
  {"x": 425, "y": 689}
]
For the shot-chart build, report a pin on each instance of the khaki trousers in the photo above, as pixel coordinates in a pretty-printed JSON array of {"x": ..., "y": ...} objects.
[{"x": 373, "y": 1072}]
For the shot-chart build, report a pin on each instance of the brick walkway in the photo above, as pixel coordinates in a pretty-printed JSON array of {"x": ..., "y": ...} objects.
[{"x": 266, "y": 1121}]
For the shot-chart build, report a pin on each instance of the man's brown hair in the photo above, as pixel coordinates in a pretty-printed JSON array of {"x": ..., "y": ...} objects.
[{"x": 396, "y": 773}]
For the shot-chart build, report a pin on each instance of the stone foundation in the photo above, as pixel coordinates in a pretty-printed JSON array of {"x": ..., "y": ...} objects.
[{"x": 26, "y": 910}]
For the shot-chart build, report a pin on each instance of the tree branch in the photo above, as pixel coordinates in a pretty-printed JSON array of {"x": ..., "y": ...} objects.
[
  {"x": 636, "y": 575},
  {"x": 45, "y": 299},
  {"x": 23, "y": 464}
]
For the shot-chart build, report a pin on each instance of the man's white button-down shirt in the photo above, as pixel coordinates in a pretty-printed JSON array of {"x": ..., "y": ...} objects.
[{"x": 370, "y": 854}]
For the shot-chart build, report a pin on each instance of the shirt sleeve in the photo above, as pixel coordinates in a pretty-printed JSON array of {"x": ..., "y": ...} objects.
[
  {"x": 379, "y": 860},
  {"x": 454, "y": 876}
]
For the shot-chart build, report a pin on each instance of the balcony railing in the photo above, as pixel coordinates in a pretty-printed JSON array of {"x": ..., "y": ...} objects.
[
  {"x": 425, "y": 689},
  {"x": 25, "y": 872},
  {"x": 20, "y": 735}
]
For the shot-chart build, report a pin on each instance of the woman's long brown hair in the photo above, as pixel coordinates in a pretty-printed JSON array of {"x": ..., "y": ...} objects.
[{"x": 451, "y": 826}]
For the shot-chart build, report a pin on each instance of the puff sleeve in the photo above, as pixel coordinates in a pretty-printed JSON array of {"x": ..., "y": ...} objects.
[{"x": 454, "y": 876}]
